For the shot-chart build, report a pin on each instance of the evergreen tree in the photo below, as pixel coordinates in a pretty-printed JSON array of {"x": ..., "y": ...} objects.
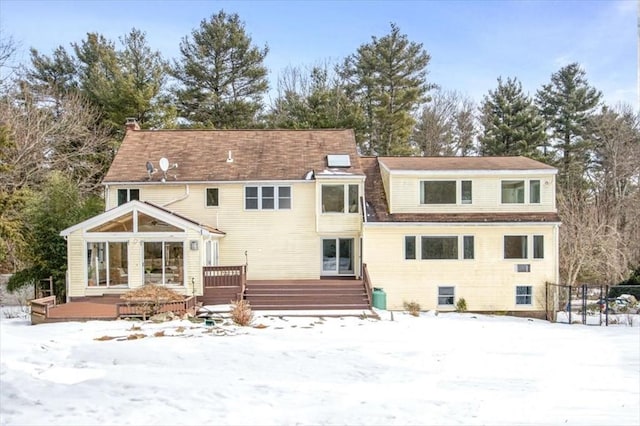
[
  {"x": 567, "y": 103},
  {"x": 512, "y": 125},
  {"x": 123, "y": 83},
  {"x": 222, "y": 75},
  {"x": 388, "y": 78},
  {"x": 144, "y": 74},
  {"x": 53, "y": 77}
]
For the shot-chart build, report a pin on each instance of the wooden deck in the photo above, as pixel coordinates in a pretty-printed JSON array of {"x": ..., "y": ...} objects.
[
  {"x": 103, "y": 308},
  {"x": 222, "y": 285}
]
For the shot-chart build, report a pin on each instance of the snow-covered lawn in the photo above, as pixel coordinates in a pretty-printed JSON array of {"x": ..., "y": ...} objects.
[{"x": 444, "y": 369}]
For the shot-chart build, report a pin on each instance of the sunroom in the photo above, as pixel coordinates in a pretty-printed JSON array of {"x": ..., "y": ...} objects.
[{"x": 135, "y": 244}]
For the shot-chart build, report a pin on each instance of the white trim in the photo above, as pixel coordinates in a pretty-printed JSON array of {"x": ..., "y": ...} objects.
[
  {"x": 210, "y": 182},
  {"x": 440, "y": 224},
  {"x": 276, "y": 198},
  {"x": 134, "y": 207},
  {"x": 344, "y": 177},
  {"x": 470, "y": 173}
]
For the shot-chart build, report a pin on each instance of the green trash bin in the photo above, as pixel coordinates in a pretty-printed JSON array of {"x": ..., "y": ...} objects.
[{"x": 379, "y": 298}]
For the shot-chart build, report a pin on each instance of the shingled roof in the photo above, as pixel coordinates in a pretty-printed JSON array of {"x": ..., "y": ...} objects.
[
  {"x": 462, "y": 163},
  {"x": 377, "y": 209},
  {"x": 202, "y": 155}
]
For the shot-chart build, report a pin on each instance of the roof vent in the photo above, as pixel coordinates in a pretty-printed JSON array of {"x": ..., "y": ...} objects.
[
  {"x": 230, "y": 157},
  {"x": 338, "y": 160}
]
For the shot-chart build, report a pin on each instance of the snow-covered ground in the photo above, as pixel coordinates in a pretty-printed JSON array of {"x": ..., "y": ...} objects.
[{"x": 435, "y": 369}]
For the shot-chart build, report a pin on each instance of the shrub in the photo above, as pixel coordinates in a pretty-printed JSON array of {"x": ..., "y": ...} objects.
[
  {"x": 461, "y": 305},
  {"x": 241, "y": 312},
  {"x": 412, "y": 307}
]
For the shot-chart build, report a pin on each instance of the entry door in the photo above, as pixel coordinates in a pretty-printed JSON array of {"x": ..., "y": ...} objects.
[{"x": 337, "y": 256}]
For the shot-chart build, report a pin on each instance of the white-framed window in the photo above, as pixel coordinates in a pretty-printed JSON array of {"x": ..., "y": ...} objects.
[
  {"x": 466, "y": 192},
  {"x": 534, "y": 191},
  {"x": 523, "y": 295},
  {"x": 446, "y": 192},
  {"x": 107, "y": 263},
  {"x": 127, "y": 194},
  {"x": 163, "y": 262},
  {"x": 468, "y": 247},
  {"x": 212, "y": 197},
  {"x": 435, "y": 247},
  {"x": 446, "y": 295},
  {"x": 267, "y": 197},
  {"x": 517, "y": 191},
  {"x": 538, "y": 247},
  {"x": 517, "y": 246},
  {"x": 339, "y": 198},
  {"x": 410, "y": 247},
  {"x": 438, "y": 247},
  {"x": 211, "y": 253}
]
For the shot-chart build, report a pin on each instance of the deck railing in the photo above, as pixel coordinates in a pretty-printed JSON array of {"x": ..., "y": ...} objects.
[
  {"x": 147, "y": 308},
  {"x": 367, "y": 283},
  {"x": 224, "y": 276},
  {"x": 40, "y": 308}
]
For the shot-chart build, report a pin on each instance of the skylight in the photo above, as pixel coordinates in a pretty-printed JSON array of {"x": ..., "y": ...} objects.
[{"x": 338, "y": 160}]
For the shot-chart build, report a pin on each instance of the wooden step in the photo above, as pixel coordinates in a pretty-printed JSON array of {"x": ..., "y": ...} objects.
[
  {"x": 289, "y": 300},
  {"x": 310, "y": 291},
  {"x": 359, "y": 306}
]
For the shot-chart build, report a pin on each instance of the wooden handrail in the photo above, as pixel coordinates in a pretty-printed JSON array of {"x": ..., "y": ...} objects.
[
  {"x": 40, "y": 308},
  {"x": 367, "y": 283},
  {"x": 223, "y": 276}
]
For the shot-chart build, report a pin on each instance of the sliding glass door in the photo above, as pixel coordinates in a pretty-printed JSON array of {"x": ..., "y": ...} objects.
[{"x": 337, "y": 256}]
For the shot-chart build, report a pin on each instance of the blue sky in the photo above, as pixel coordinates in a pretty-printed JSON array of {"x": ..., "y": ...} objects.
[{"x": 471, "y": 43}]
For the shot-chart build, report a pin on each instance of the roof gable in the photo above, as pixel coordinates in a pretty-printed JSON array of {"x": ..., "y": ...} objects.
[
  {"x": 105, "y": 220},
  {"x": 231, "y": 155}
]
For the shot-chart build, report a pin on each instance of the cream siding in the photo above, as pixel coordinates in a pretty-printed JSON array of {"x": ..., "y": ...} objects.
[
  {"x": 405, "y": 194},
  {"x": 488, "y": 282},
  {"x": 338, "y": 223},
  {"x": 77, "y": 267},
  {"x": 76, "y": 271},
  {"x": 278, "y": 243}
]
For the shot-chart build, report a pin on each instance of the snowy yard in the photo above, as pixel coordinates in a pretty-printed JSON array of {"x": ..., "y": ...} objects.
[{"x": 445, "y": 369}]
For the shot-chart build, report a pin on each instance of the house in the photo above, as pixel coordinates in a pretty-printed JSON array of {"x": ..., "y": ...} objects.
[{"x": 303, "y": 205}]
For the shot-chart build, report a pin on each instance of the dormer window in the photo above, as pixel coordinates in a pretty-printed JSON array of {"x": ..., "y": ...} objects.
[
  {"x": 517, "y": 191},
  {"x": 446, "y": 192}
]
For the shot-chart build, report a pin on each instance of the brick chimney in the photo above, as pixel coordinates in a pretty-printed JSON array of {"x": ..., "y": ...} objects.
[{"x": 131, "y": 124}]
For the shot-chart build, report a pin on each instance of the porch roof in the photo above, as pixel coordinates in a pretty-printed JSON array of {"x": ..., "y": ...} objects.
[{"x": 149, "y": 209}]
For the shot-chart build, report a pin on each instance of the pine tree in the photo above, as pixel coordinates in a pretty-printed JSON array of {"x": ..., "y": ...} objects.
[
  {"x": 222, "y": 75},
  {"x": 123, "y": 83},
  {"x": 53, "y": 77},
  {"x": 388, "y": 78},
  {"x": 566, "y": 103},
  {"x": 512, "y": 125}
]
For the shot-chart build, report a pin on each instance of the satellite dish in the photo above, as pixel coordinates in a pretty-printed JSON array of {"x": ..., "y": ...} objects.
[
  {"x": 150, "y": 168},
  {"x": 164, "y": 164}
]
